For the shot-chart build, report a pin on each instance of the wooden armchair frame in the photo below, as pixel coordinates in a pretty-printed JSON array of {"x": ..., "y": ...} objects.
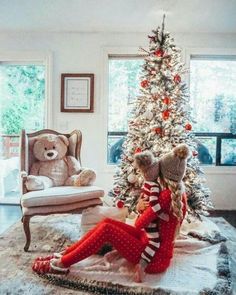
[{"x": 24, "y": 166}]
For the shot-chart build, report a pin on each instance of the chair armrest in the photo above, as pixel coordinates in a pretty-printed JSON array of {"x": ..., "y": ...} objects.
[{"x": 23, "y": 178}]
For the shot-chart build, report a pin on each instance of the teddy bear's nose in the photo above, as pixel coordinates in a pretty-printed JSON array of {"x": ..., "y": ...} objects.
[{"x": 50, "y": 154}]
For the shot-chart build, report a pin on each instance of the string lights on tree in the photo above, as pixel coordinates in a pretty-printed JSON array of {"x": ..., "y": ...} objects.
[{"x": 161, "y": 119}]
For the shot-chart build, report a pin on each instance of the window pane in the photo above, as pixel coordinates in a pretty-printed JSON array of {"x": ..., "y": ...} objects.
[
  {"x": 228, "y": 151},
  {"x": 22, "y": 97},
  {"x": 115, "y": 148},
  {"x": 123, "y": 90},
  {"x": 213, "y": 94},
  {"x": 206, "y": 147},
  {"x": 22, "y": 100}
]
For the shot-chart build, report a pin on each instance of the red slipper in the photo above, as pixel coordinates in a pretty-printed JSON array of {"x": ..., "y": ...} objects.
[
  {"x": 44, "y": 267},
  {"x": 49, "y": 257}
]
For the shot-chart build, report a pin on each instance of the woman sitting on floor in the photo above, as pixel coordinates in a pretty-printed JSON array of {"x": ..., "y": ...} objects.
[{"x": 149, "y": 243}]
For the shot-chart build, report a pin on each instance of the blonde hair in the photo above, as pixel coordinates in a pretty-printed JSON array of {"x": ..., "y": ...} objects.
[{"x": 176, "y": 189}]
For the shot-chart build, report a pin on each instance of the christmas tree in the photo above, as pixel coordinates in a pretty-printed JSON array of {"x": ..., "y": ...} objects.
[{"x": 161, "y": 119}]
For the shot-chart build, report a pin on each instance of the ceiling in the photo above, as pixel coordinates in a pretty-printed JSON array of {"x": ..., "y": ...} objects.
[{"x": 209, "y": 16}]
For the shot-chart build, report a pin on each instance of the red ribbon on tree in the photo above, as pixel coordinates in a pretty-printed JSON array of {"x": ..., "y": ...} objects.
[{"x": 177, "y": 78}]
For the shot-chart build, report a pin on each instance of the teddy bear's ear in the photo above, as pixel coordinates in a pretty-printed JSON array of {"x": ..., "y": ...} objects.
[{"x": 64, "y": 139}]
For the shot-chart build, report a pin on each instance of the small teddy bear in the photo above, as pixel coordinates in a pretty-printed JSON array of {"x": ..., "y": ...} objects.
[{"x": 53, "y": 167}]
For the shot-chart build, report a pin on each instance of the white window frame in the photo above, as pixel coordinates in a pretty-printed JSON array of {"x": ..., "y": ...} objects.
[
  {"x": 106, "y": 52},
  {"x": 44, "y": 58},
  {"x": 187, "y": 53}
]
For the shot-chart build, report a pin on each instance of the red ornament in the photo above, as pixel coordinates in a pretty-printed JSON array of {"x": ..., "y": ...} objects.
[
  {"x": 144, "y": 83},
  {"x": 120, "y": 204},
  {"x": 137, "y": 150},
  {"x": 177, "y": 78},
  {"x": 195, "y": 153},
  {"x": 158, "y": 130},
  {"x": 159, "y": 52},
  {"x": 166, "y": 115},
  {"x": 166, "y": 100},
  {"x": 188, "y": 127}
]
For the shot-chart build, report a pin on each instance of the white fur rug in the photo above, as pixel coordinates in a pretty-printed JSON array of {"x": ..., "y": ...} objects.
[{"x": 195, "y": 269}]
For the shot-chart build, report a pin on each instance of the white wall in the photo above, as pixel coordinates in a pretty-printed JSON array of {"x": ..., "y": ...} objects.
[{"x": 83, "y": 52}]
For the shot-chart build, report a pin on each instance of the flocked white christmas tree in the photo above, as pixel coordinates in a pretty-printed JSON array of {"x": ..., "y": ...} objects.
[{"x": 161, "y": 120}]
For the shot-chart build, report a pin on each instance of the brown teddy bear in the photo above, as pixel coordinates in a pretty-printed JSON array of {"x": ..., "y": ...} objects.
[{"x": 53, "y": 167}]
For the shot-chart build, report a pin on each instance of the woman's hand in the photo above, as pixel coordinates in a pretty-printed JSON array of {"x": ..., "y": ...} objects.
[
  {"x": 138, "y": 273},
  {"x": 142, "y": 204}
]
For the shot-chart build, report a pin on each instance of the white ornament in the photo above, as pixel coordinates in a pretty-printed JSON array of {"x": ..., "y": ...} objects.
[
  {"x": 148, "y": 115},
  {"x": 178, "y": 128},
  {"x": 156, "y": 148},
  {"x": 130, "y": 158},
  {"x": 154, "y": 90},
  {"x": 146, "y": 130},
  {"x": 132, "y": 178}
]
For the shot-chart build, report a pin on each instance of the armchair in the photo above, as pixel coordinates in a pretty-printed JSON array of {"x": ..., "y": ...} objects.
[{"x": 53, "y": 200}]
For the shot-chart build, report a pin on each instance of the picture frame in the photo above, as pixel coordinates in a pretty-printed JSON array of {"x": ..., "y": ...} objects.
[{"x": 77, "y": 93}]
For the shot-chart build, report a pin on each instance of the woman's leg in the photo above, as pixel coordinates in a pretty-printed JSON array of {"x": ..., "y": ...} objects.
[
  {"x": 126, "y": 244},
  {"x": 126, "y": 227}
]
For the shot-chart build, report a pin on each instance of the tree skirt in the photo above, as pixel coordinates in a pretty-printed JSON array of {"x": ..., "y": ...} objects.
[{"x": 201, "y": 264}]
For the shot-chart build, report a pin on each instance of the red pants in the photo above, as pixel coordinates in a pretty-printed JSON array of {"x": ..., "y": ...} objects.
[{"x": 126, "y": 239}]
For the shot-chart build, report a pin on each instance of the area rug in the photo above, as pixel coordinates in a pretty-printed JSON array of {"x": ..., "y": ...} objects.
[{"x": 209, "y": 271}]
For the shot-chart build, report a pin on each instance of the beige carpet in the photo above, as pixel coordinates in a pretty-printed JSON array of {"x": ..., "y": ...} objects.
[{"x": 51, "y": 234}]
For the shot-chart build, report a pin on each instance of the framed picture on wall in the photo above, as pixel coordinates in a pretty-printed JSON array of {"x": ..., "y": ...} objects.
[{"x": 77, "y": 93}]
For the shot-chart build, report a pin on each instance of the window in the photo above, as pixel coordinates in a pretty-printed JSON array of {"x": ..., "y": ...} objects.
[
  {"x": 213, "y": 99},
  {"x": 123, "y": 89},
  {"x": 22, "y": 100}
]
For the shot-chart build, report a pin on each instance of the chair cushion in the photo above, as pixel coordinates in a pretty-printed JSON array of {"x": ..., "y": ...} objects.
[
  {"x": 45, "y": 210},
  {"x": 61, "y": 195}
]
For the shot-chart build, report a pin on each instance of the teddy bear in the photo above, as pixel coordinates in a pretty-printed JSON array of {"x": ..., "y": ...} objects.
[{"x": 53, "y": 167}]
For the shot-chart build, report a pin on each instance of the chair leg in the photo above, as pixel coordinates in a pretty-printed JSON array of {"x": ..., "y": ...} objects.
[{"x": 26, "y": 221}]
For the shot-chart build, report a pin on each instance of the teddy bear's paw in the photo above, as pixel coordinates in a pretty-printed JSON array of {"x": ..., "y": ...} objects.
[
  {"x": 33, "y": 183},
  {"x": 86, "y": 177}
]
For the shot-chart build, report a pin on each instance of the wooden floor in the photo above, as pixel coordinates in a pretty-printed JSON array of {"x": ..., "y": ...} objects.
[
  {"x": 10, "y": 214},
  {"x": 229, "y": 216}
]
